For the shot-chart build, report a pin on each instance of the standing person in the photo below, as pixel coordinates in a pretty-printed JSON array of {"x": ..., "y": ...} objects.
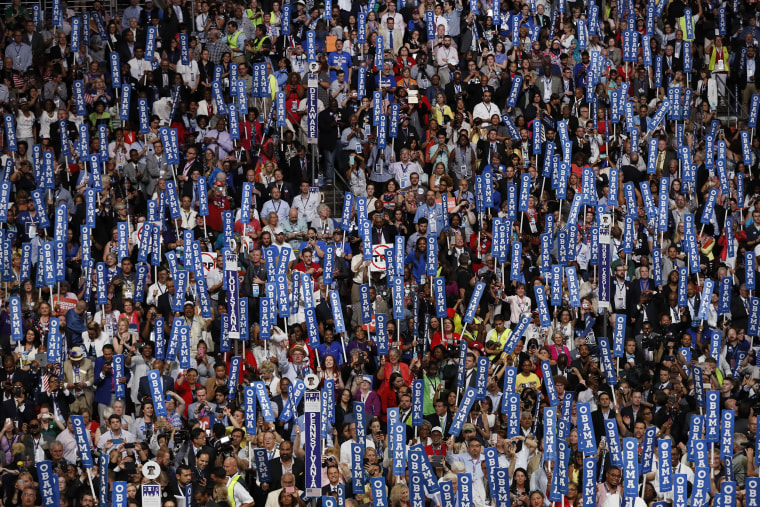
[
  {"x": 78, "y": 377},
  {"x": 237, "y": 494}
]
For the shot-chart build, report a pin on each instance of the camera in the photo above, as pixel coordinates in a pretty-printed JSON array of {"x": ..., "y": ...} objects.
[
  {"x": 651, "y": 342},
  {"x": 181, "y": 436}
]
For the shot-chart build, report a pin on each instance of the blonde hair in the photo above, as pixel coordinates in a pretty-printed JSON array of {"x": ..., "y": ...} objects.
[
  {"x": 397, "y": 492},
  {"x": 266, "y": 367},
  {"x": 220, "y": 493}
]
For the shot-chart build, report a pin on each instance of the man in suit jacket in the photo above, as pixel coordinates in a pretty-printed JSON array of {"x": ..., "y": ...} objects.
[
  {"x": 549, "y": 84},
  {"x": 286, "y": 463},
  {"x": 640, "y": 286},
  {"x": 105, "y": 383},
  {"x": 190, "y": 162},
  {"x": 568, "y": 86},
  {"x": 34, "y": 39},
  {"x": 18, "y": 408},
  {"x": 163, "y": 78},
  {"x": 619, "y": 288},
  {"x": 488, "y": 146},
  {"x": 739, "y": 308},
  {"x": 603, "y": 412},
  {"x": 441, "y": 418},
  {"x": 167, "y": 381},
  {"x": 392, "y": 32},
  {"x": 456, "y": 89},
  {"x": 57, "y": 400},
  {"x": 189, "y": 451},
  {"x": 671, "y": 64},
  {"x": 382, "y": 232},
  {"x": 630, "y": 414},
  {"x": 156, "y": 167},
  {"x": 301, "y": 168},
  {"x": 10, "y": 374},
  {"x": 333, "y": 472},
  {"x": 127, "y": 47},
  {"x": 175, "y": 17},
  {"x": 78, "y": 377}
]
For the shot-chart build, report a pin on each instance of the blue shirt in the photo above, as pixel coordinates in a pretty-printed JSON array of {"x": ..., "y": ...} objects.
[
  {"x": 342, "y": 60},
  {"x": 434, "y": 216},
  {"x": 418, "y": 265}
]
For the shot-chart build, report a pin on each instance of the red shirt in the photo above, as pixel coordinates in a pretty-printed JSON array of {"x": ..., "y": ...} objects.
[
  {"x": 436, "y": 452},
  {"x": 215, "y": 207},
  {"x": 303, "y": 269}
]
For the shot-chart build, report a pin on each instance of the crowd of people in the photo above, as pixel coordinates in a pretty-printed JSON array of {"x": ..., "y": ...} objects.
[{"x": 538, "y": 290}]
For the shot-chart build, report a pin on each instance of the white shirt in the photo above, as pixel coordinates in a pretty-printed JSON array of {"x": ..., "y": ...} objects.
[
  {"x": 158, "y": 289},
  {"x": 401, "y": 171},
  {"x": 138, "y": 67},
  {"x": 213, "y": 278},
  {"x": 450, "y": 55},
  {"x": 307, "y": 206},
  {"x": 25, "y": 125},
  {"x": 280, "y": 207},
  {"x": 485, "y": 111},
  {"x": 189, "y": 73}
]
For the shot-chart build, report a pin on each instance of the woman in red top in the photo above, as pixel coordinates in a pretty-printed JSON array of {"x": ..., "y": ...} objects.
[
  {"x": 480, "y": 245},
  {"x": 217, "y": 203},
  {"x": 388, "y": 393},
  {"x": 186, "y": 385},
  {"x": 447, "y": 337},
  {"x": 391, "y": 366}
]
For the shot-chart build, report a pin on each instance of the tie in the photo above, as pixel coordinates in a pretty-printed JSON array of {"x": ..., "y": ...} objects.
[{"x": 390, "y": 39}]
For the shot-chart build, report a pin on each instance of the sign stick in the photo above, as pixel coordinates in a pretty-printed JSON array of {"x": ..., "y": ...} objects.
[{"x": 92, "y": 488}]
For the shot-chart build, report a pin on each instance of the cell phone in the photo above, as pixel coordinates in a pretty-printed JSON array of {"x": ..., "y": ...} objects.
[
  {"x": 290, "y": 489},
  {"x": 129, "y": 445},
  {"x": 117, "y": 441}
]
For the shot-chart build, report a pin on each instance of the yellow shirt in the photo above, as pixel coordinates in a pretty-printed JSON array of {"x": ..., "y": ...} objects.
[{"x": 521, "y": 381}]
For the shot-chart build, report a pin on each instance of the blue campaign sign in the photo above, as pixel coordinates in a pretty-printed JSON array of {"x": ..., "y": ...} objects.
[
  {"x": 515, "y": 91},
  {"x": 607, "y": 361},
  {"x": 515, "y": 267},
  {"x": 727, "y": 435},
  {"x": 613, "y": 441},
  {"x": 525, "y": 184},
  {"x": 472, "y": 306},
  {"x": 630, "y": 468},
  {"x": 550, "y": 434}
]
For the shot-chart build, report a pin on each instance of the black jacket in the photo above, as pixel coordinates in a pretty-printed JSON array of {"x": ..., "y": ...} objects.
[{"x": 275, "y": 471}]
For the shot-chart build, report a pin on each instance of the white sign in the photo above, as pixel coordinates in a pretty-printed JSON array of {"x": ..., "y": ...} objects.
[
  {"x": 151, "y": 494},
  {"x": 605, "y": 222},
  {"x": 378, "y": 257},
  {"x": 209, "y": 261}
]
